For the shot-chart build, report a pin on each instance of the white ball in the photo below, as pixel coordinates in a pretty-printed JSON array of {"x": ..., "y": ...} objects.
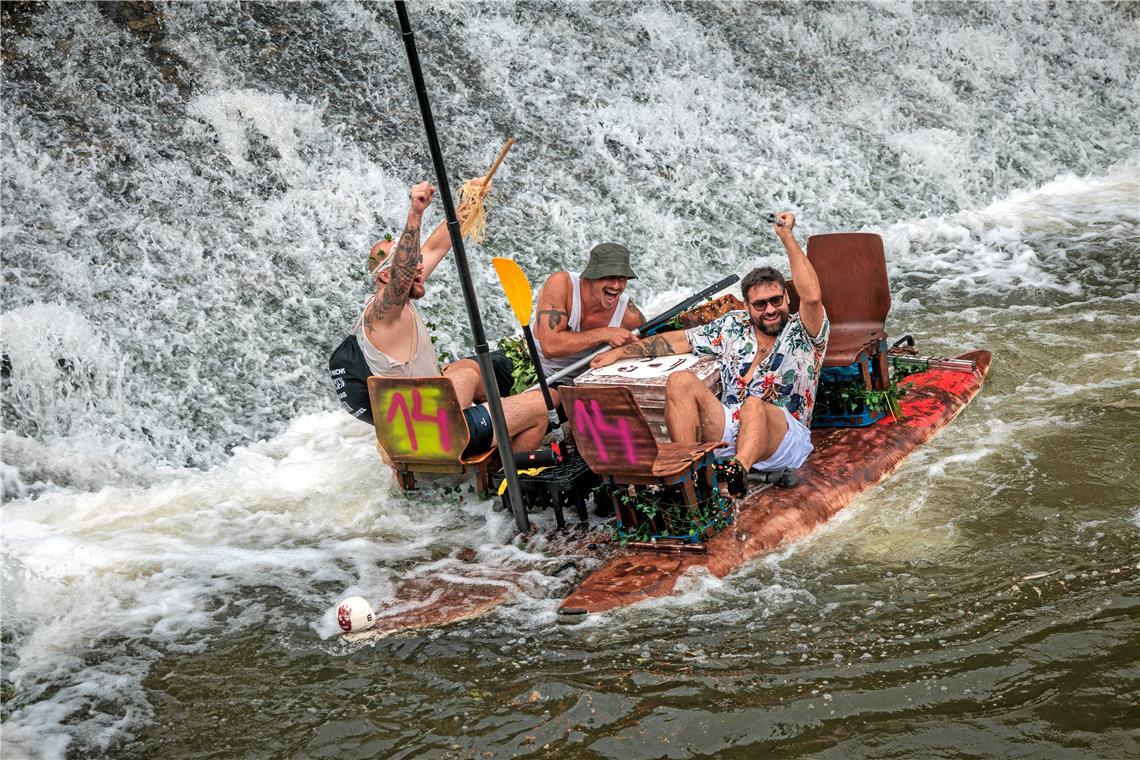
[{"x": 354, "y": 614}]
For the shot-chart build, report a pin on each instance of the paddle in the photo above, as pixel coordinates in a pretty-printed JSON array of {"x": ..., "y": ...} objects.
[
  {"x": 482, "y": 353},
  {"x": 517, "y": 287},
  {"x": 660, "y": 319},
  {"x": 471, "y": 195}
]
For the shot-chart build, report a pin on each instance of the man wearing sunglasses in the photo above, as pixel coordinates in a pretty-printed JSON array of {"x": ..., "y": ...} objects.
[
  {"x": 390, "y": 339},
  {"x": 770, "y": 362}
]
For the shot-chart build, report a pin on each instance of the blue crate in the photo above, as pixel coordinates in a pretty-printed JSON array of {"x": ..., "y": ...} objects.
[{"x": 835, "y": 413}]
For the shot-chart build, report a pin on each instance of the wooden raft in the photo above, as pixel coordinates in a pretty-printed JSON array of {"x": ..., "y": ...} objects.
[{"x": 846, "y": 462}]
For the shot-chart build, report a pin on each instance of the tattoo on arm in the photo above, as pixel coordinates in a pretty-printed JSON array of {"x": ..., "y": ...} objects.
[
  {"x": 653, "y": 346},
  {"x": 632, "y": 307},
  {"x": 395, "y": 294},
  {"x": 554, "y": 316}
]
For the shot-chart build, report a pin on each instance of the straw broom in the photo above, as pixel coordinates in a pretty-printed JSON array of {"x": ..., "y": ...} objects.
[{"x": 472, "y": 201}]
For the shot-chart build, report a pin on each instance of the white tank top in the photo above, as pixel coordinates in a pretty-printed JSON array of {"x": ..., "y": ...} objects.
[
  {"x": 552, "y": 365},
  {"x": 424, "y": 362}
]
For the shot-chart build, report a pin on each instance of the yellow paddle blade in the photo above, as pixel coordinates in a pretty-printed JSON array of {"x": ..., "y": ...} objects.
[{"x": 516, "y": 286}]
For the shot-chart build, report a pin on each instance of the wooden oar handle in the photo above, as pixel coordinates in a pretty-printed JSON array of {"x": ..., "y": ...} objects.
[{"x": 499, "y": 160}]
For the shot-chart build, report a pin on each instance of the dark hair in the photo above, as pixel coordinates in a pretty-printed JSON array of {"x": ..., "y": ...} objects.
[{"x": 759, "y": 276}]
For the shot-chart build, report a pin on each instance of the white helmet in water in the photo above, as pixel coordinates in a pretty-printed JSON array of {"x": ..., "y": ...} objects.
[{"x": 354, "y": 615}]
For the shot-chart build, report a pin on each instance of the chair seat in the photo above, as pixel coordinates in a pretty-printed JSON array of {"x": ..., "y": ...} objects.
[
  {"x": 675, "y": 458},
  {"x": 479, "y": 459},
  {"x": 846, "y": 342}
]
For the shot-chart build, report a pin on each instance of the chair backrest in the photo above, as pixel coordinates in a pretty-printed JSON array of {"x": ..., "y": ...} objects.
[
  {"x": 418, "y": 419},
  {"x": 852, "y": 272},
  {"x": 609, "y": 429}
]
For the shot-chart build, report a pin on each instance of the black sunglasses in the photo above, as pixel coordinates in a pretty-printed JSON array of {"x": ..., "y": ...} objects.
[{"x": 775, "y": 302}]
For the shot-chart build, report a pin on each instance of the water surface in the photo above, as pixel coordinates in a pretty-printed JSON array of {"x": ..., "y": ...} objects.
[{"x": 188, "y": 201}]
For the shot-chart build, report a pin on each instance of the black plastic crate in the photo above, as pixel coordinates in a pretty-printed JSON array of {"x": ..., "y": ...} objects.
[{"x": 570, "y": 482}]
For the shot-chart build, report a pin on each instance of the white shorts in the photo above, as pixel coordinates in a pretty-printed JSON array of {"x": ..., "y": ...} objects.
[{"x": 791, "y": 453}]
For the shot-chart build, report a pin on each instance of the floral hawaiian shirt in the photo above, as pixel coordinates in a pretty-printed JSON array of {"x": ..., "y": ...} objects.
[{"x": 787, "y": 377}]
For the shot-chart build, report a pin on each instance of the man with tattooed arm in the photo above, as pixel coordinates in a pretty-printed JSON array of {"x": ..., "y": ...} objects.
[
  {"x": 770, "y": 362},
  {"x": 577, "y": 313},
  {"x": 390, "y": 339}
]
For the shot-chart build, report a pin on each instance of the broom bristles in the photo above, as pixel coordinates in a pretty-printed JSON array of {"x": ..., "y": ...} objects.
[
  {"x": 472, "y": 211},
  {"x": 473, "y": 201}
]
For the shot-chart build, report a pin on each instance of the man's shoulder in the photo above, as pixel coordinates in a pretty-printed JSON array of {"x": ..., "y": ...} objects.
[
  {"x": 560, "y": 277},
  {"x": 730, "y": 324},
  {"x": 557, "y": 283}
]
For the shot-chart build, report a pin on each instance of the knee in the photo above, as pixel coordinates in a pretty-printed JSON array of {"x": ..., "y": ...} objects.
[
  {"x": 753, "y": 407},
  {"x": 461, "y": 366},
  {"x": 680, "y": 383}
]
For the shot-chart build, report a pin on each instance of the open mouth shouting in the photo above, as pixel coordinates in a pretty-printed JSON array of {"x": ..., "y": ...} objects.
[{"x": 610, "y": 295}]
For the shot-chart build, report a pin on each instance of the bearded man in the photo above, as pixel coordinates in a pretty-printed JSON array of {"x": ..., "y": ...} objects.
[{"x": 770, "y": 362}]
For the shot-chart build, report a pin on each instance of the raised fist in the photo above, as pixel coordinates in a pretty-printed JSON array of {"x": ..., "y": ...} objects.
[{"x": 421, "y": 197}]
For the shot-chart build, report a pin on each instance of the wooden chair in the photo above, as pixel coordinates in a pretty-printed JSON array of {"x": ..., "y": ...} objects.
[
  {"x": 420, "y": 428},
  {"x": 852, "y": 272},
  {"x": 614, "y": 438}
]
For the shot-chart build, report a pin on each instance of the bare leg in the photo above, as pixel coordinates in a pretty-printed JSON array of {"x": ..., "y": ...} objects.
[
  {"x": 526, "y": 419},
  {"x": 464, "y": 375},
  {"x": 692, "y": 412},
  {"x": 762, "y": 427}
]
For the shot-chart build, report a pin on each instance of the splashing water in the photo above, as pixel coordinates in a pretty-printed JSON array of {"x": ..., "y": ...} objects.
[{"x": 188, "y": 201}]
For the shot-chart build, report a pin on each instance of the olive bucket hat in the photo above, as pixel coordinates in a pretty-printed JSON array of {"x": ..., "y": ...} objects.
[{"x": 608, "y": 260}]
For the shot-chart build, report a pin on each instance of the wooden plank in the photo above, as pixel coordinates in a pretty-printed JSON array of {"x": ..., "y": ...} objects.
[
  {"x": 609, "y": 430},
  {"x": 852, "y": 272},
  {"x": 846, "y": 462}
]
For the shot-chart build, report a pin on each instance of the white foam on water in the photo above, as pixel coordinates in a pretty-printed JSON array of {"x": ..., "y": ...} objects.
[
  {"x": 73, "y": 363},
  {"x": 1093, "y": 374},
  {"x": 189, "y": 259},
  {"x": 230, "y": 114},
  {"x": 1069, "y": 201},
  {"x": 310, "y": 514},
  {"x": 997, "y": 248}
]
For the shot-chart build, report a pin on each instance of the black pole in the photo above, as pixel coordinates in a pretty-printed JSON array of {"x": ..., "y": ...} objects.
[
  {"x": 482, "y": 353},
  {"x": 551, "y": 410}
]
